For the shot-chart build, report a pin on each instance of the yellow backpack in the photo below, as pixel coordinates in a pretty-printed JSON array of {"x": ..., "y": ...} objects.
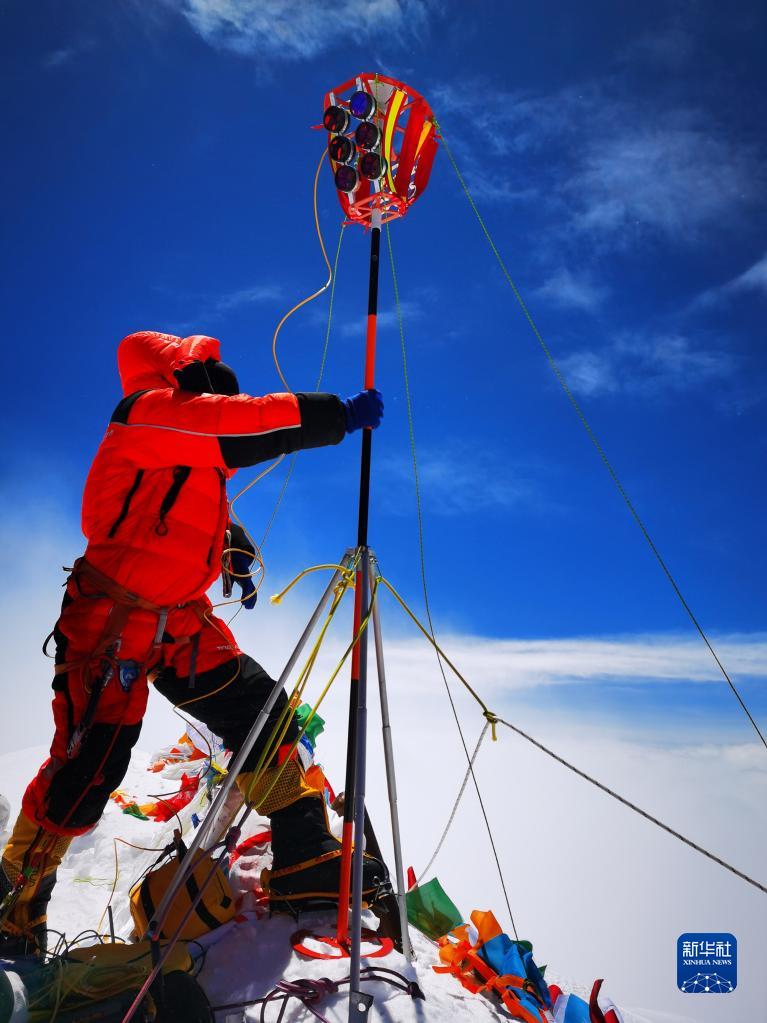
[{"x": 216, "y": 907}]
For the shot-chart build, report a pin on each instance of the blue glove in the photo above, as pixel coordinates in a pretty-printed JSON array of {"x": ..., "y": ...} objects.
[
  {"x": 364, "y": 410},
  {"x": 241, "y": 561},
  {"x": 241, "y": 565}
]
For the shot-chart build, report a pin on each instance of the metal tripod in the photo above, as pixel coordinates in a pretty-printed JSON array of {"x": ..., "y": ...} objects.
[{"x": 204, "y": 833}]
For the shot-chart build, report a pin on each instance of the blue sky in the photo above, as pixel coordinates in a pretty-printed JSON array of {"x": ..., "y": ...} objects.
[{"x": 157, "y": 174}]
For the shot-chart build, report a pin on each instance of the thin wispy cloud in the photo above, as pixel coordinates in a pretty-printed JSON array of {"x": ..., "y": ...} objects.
[
  {"x": 572, "y": 291},
  {"x": 212, "y": 308},
  {"x": 459, "y": 483},
  {"x": 754, "y": 279},
  {"x": 751, "y": 281},
  {"x": 257, "y": 294},
  {"x": 671, "y": 45},
  {"x": 673, "y": 177},
  {"x": 605, "y": 165},
  {"x": 65, "y": 55},
  {"x": 515, "y": 664},
  {"x": 293, "y": 30},
  {"x": 647, "y": 365},
  {"x": 56, "y": 58}
]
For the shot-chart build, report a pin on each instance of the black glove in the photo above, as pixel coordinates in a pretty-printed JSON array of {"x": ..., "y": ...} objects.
[{"x": 364, "y": 409}]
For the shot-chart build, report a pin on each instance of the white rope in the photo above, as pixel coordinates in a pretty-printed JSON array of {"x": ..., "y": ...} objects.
[{"x": 457, "y": 803}]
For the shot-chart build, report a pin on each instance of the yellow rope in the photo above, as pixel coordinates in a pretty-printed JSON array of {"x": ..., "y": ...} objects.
[
  {"x": 330, "y": 282},
  {"x": 142, "y": 848},
  {"x": 326, "y": 689},
  {"x": 315, "y": 294},
  {"x": 219, "y": 689},
  {"x": 486, "y": 712},
  {"x": 283, "y": 721},
  {"x": 346, "y": 572},
  {"x": 260, "y": 568}
]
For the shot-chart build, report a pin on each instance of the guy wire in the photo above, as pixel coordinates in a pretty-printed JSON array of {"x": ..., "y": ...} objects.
[
  {"x": 422, "y": 555},
  {"x": 594, "y": 439},
  {"x": 493, "y": 721}
]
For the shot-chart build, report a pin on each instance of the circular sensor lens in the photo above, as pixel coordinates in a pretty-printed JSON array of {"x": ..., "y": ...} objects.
[
  {"x": 347, "y": 178},
  {"x": 372, "y": 166},
  {"x": 362, "y": 105},
  {"x": 368, "y": 135},
  {"x": 336, "y": 119},
  {"x": 341, "y": 148}
]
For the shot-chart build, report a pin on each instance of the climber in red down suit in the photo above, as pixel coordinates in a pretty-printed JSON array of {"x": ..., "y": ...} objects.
[{"x": 155, "y": 514}]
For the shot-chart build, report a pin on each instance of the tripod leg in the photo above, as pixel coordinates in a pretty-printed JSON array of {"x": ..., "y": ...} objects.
[
  {"x": 360, "y": 758},
  {"x": 391, "y": 782},
  {"x": 236, "y": 766}
]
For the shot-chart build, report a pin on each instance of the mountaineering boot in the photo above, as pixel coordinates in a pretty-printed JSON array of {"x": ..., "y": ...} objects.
[
  {"x": 306, "y": 865},
  {"x": 27, "y": 876}
]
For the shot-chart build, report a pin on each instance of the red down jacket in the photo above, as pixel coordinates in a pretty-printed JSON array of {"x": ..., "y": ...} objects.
[
  {"x": 154, "y": 513},
  {"x": 155, "y": 506}
]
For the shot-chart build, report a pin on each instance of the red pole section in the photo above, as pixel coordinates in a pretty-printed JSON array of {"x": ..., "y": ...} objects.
[{"x": 359, "y": 655}]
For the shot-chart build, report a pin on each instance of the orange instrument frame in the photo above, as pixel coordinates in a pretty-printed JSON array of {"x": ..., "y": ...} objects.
[{"x": 409, "y": 141}]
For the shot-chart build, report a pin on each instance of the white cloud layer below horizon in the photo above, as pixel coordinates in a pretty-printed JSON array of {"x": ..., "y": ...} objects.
[{"x": 496, "y": 666}]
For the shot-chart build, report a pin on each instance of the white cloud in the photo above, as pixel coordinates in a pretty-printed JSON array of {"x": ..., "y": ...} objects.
[
  {"x": 607, "y": 166},
  {"x": 674, "y": 175},
  {"x": 753, "y": 280},
  {"x": 64, "y": 55},
  {"x": 58, "y": 57},
  {"x": 257, "y": 294},
  {"x": 590, "y": 372},
  {"x": 670, "y": 45},
  {"x": 455, "y": 485},
  {"x": 569, "y": 291},
  {"x": 646, "y": 365},
  {"x": 214, "y": 307},
  {"x": 502, "y": 666},
  {"x": 295, "y": 29}
]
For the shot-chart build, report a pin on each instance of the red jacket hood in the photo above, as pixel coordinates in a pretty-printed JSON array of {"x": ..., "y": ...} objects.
[{"x": 149, "y": 359}]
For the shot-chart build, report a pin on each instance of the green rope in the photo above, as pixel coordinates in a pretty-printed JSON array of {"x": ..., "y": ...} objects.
[
  {"x": 330, "y": 306},
  {"x": 594, "y": 439},
  {"x": 427, "y": 604}
]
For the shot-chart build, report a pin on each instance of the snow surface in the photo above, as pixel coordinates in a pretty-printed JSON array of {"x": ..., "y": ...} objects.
[{"x": 247, "y": 957}]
